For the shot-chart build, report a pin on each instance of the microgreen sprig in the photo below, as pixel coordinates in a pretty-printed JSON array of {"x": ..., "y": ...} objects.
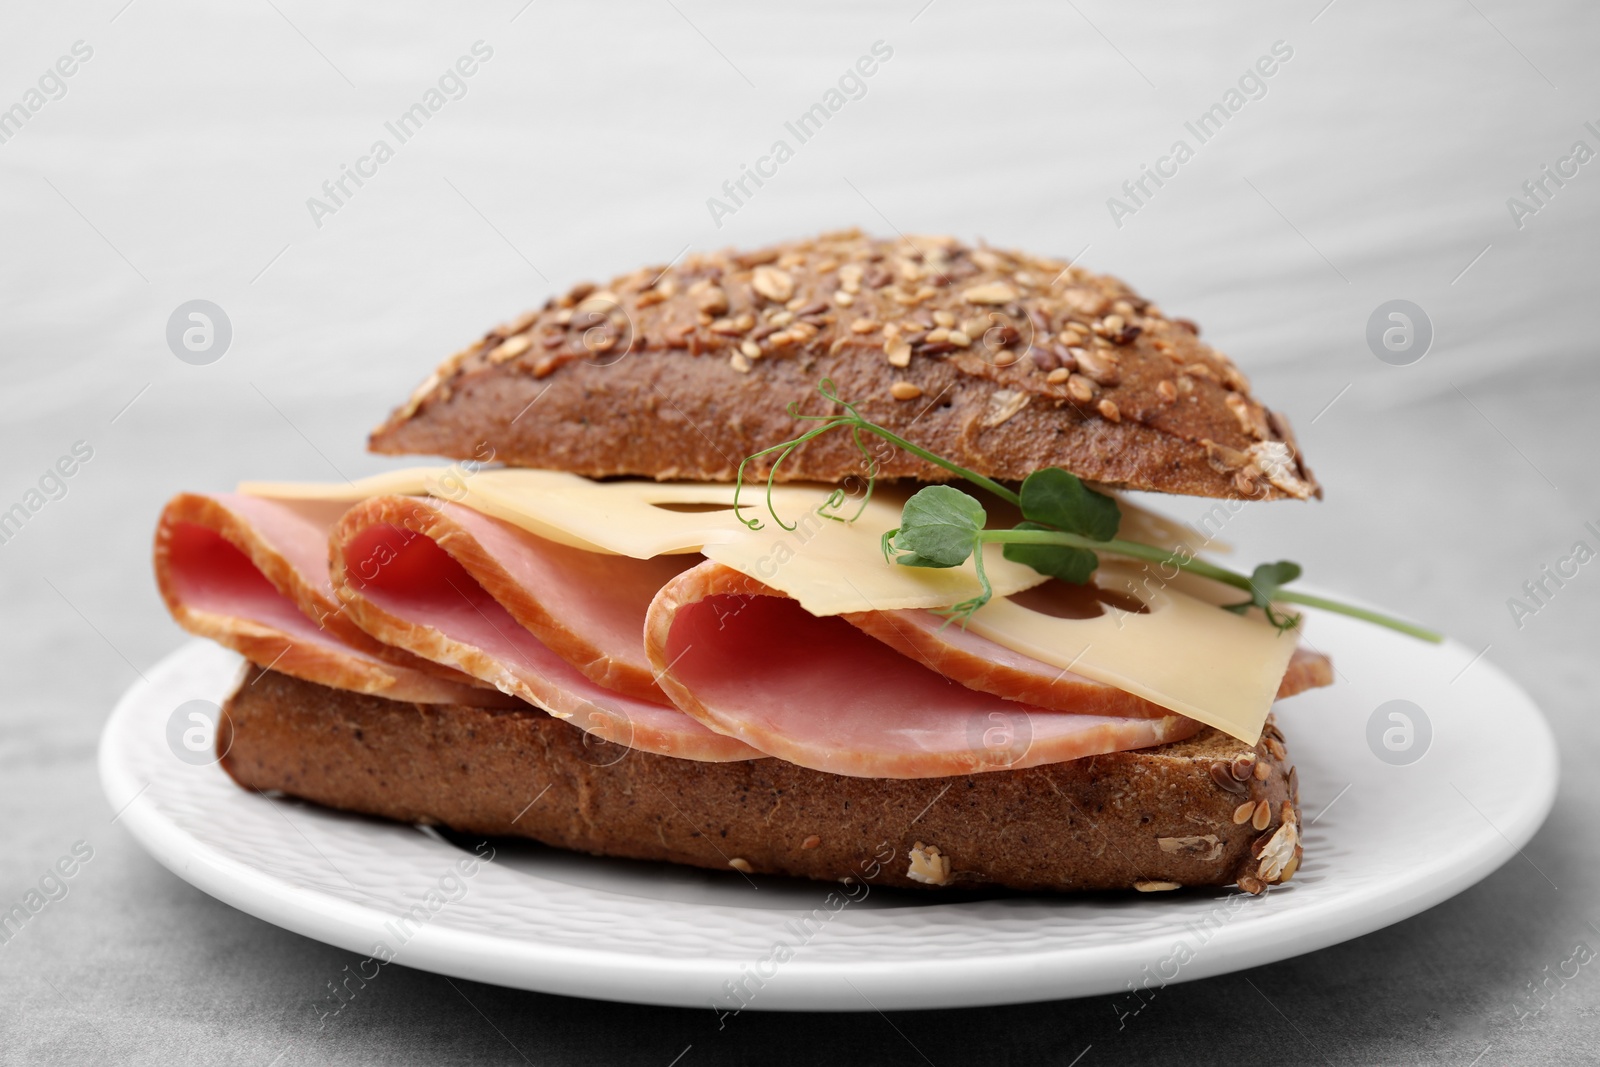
[{"x": 1066, "y": 526}]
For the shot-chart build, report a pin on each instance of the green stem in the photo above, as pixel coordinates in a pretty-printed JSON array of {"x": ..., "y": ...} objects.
[
  {"x": 1185, "y": 562},
  {"x": 1354, "y": 612},
  {"x": 1130, "y": 549},
  {"x": 939, "y": 461}
]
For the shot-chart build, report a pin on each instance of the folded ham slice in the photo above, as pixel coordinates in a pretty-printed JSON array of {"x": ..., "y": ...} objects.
[
  {"x": 748, "y": 661},
  {"x": 979, "y": 663},
  {"x": 553, "y": 625},
  {"x": 252, "y": 574}
]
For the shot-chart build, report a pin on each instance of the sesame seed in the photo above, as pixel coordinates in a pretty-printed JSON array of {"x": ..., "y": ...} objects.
[
  {"x": 1223, "y": 779},
  {"x": 903, "y": 390},
  {"x": 864, "y": 325},
  {"x": 936, "y": 335},
  {"x": 782, "y": 318},
  {"x": 1080, "y": 388},
  {"x": 1098, "y": 366},
  {"x": 899, "y": 352},
  {"x": 811, "y": 842},
  {"x": 959, "y": 338},
  {"x": 750, "y": 348},
  {"x": 511, "y": 348},
  {"x": 945, "y": 319},
  {"x": 741, "y": 362},
  {"x": 1057, "y": 376},
  {"x": 1109, "y": 409},
  {"x": 842, "y": 298},
  {"x": 990, "y": 293},
  {"x": 772, "y": 283},
  {"x": 1262, "y": 772},
  {"x": 708, "y": 297},
  {"x": 1168, "y": 391},
  {"x": 741, "y": 865}
]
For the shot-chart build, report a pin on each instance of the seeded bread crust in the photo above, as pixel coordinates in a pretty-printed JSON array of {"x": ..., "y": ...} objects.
[
  {"x": 1000, "y": 361},
  {"x": 1208, "y": 811}
]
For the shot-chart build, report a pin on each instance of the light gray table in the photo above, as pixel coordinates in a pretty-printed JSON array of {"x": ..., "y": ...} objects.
[{"x": 175, "y": 163}]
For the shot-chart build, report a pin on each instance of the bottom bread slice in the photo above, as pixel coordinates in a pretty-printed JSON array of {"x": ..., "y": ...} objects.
[{"x": 1209, "y": 811}]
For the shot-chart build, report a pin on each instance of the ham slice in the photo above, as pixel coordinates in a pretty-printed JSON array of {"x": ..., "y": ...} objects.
[
  {"x": 539, "y": 620},
  {"x": 747, "y": 661},
  {"x": 979, "y": 663},
  {"x": 252, "y": 574}
]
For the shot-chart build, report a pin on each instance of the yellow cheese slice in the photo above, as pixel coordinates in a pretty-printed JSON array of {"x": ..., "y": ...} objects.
[
  {"x": 410, "y": 481},
  {"x": 829, "y": 566},
  {"x": 1183, "y": 652},
  {"x": 624, "y": 518}
]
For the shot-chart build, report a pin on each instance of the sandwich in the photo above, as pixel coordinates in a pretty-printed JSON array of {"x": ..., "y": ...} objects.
[{"x": 824, "y": 560}]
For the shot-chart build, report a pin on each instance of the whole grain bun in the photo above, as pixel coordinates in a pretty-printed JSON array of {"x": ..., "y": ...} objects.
[
  {"x": 1000, "y": 361},
  {"x": 1209, "y": 811}
]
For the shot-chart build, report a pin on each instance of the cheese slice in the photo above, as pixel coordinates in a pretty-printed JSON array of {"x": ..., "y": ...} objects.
[
  {"x": 830, "y": 566},
  {"x": 624, "y": 518},
  {"x": 409, "y": 481},
  {"x": 1182, "y": 652}
]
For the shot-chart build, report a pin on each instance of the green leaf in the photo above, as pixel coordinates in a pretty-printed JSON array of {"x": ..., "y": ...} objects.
[
  {"x": 1265, "y": 582},
  {"x": 1060, "y": 499},
  {"x": 1273, "y": 575},
  {"x": 940, "y": 525},
  {"x": 1075, "y": 565},
  {"x": 911, "y": 559}
]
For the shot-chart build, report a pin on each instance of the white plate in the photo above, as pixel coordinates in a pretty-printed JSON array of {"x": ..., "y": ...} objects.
[{"x": 1382, "y": 842}]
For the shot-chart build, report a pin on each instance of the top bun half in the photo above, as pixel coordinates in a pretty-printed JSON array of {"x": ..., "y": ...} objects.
[{"x": 999, "y": 361}]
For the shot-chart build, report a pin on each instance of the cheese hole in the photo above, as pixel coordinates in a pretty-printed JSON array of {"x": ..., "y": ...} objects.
[
  {"x": 690, "y": 509},
  {"x": 1063, "y": 600}
]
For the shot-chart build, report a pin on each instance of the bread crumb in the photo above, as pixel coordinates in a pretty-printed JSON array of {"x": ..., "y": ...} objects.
[{"x": 928, "y": 865}]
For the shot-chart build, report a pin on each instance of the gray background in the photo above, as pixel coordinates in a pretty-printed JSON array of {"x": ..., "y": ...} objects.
[{"x": 1377, "y": 166}]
